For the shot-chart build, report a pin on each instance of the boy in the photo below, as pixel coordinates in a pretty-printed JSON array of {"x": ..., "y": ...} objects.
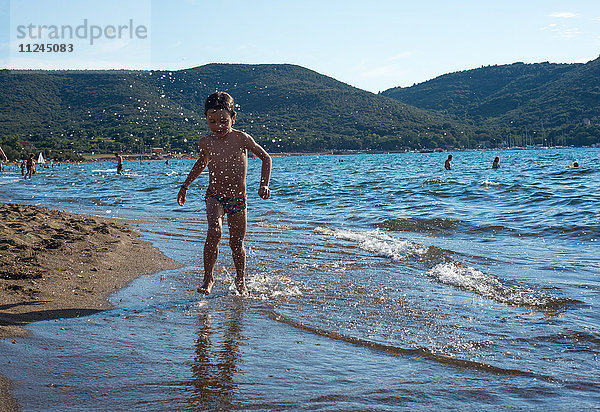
[{"x": 225, "y": 152}]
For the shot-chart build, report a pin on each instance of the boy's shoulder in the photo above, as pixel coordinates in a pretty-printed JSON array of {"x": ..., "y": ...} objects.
[
  {"x": 241, "y": 135},
  {"x": 205, "y": 139},
  {"x": 238, "y": 134}
]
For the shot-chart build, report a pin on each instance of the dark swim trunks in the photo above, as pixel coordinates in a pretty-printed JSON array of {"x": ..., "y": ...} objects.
[{"x": 230, "y": 204}]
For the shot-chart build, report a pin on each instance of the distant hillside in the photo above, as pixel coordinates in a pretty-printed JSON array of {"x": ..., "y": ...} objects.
[
  {"x": 557, "y": 101},
  {"x": 285, "y": 107}
]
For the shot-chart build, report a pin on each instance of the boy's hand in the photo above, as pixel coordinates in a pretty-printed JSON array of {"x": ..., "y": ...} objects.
[
  {"x": 181, "y": 196},
  {"x": 264, "y": 192}
]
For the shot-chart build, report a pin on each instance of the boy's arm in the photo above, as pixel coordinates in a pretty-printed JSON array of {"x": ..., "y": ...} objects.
[
  {"x": 265, "y": 172},
  {"x": 197, "y": 169}
]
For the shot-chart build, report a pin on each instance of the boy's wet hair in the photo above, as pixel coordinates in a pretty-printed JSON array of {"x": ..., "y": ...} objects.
[{"x": 220, "y": 101}]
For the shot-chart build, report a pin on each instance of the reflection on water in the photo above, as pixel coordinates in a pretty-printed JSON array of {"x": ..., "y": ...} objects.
[{"x": 217, "y": 358}]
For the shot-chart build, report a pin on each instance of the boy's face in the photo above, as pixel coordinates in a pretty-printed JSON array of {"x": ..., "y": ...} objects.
[{"x": 220, "y": 122}]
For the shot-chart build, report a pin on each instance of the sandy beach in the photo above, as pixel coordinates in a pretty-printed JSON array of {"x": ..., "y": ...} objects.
[{"x": 56, "y": 264}]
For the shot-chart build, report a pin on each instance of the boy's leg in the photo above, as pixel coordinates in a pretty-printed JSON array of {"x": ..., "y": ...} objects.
[
  {"x": 237, "y": 232},
  {"x": 214, "y": 215}
]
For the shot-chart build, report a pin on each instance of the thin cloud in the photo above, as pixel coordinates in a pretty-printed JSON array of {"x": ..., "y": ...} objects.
[
  {"x": 563, "y": 15},
  {"x": 586, "y": 59},
  {"x": 552, "y": 26},
  {"x": 400, "y": 56},
  {"x": 380, "y": 71},
  {"x": 570, "y": 33},
  {"x": 562, "y": 30}
]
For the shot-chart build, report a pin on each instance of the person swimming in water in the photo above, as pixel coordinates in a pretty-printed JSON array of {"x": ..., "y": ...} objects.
[
  {"x": 496, "y": 164},
  {"x": 447, "y": 164},
  {"x": 3, "y": 158},
  {"x": 30, "y": 166},
  {"x": 119, "y": 163}
]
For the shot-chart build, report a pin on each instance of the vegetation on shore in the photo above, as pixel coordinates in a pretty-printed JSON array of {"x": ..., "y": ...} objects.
[
  {"x": 542, "y": 103},
  {"x": 289, "y": 108}
]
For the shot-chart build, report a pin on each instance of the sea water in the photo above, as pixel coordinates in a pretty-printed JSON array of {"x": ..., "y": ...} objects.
[{"x": 377, "y": 281}]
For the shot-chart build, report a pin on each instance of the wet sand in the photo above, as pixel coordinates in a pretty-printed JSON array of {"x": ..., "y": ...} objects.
[{"x": 56, "y": 264}]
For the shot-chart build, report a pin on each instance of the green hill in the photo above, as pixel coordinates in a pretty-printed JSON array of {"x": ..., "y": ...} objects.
[
  {"x": 285, "y": 108},
  {"x": 559, "y": 102}
]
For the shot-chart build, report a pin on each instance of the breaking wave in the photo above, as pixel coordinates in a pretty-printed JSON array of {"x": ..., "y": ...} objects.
[
  {"x": 491, "y": 287},
  {"x": 448, "y": 271},
  {"x": 379, "y": 243}
]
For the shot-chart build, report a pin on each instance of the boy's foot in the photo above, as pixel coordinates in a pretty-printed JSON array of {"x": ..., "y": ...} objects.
[
  {"x": 240, "y": 284},
  {"x": 206, "y": 287}
]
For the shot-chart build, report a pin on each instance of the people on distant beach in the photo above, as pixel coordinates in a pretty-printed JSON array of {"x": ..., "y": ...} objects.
[
  {"x": 119, "y": 163},
  {"x": 225, "y": 152},
  {"x": 3, "y": 158},
  {"x": 23, "y": 166},
  {"x": 30, "y": 165},
  {"x": 496, "y": 164},
  {"x": 447, "y": 164}
]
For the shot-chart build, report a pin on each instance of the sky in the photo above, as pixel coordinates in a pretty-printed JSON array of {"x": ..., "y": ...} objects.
[{"x": 370, "y": 45}]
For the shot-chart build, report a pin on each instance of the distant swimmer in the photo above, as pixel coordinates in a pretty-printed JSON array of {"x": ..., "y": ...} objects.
[
  {"x": 119, "y": 163},
  {"x": 447, "y": 164},
  {"x": 496, "y": 164},
  {"x": 30, "y": 165},
  {"x": 575, "y": 164},
  {"x": 3, "y": 158}
]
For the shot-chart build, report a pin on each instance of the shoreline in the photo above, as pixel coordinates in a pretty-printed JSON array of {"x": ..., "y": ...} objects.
[
  {"x": 107, "y": 158},
  {"x": 56, "y": 264}
]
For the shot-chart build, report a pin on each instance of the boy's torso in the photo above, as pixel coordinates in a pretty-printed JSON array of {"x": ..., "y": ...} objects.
[{"x": 227, "y": 163}]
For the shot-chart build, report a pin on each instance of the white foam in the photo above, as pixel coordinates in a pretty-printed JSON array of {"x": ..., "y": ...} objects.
[
  {"x": 379, "y": 243},
  {"x": 450, "y": 273},
  {"x": 113, "y": 170},
  {"x": 433, "y": 181},
  {"x": 271, "y": 225},
  {"x": 8, "y": 179},
  {"x": 465, "y": 277},
  {"x": 263, "y": 286},
  {"x": 489, "y": 183},
  {"x": 277, "y": 226},
  {"x": 486, "y": 285}
]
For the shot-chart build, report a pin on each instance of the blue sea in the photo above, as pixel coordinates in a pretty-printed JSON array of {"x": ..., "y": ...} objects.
[{"x": 378, "y": 282}]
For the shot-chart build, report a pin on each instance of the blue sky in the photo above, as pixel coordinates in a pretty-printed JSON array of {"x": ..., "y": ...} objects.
[{"x": 370, "y": 45}]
